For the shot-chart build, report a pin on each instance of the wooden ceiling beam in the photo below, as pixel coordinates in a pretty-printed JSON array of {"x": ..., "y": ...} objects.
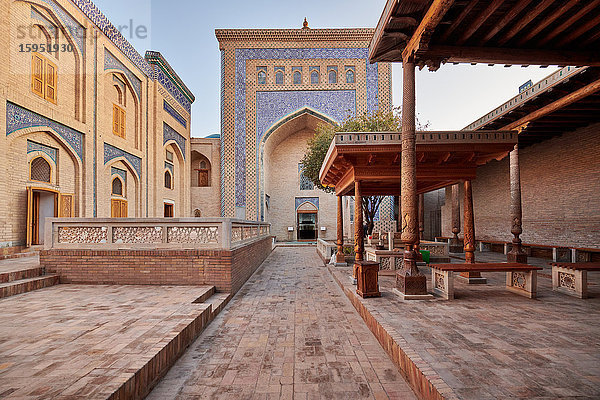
[
  {"x": 508, "y": 17},
  {"x": 523, "y": 22},
  {"x": 422, "y": 35},
  {"x": 579, "y": 31},
  {"x": 479, "y": 20},
  {"x": 547, "y": 21},
  {"x": 570, "y": 21},
  {"x": 556, "y": 105},
  {"x": 591, "y": 39},
  {"x": 513, "y": 56},
  {"x": 466, "y": 11}
]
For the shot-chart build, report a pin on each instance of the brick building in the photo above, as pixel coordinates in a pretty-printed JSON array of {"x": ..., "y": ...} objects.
[
  {"x": 91, "y": 127},
  {"x": 277, "y": 86},
  {"x": 559, "y": 164}
]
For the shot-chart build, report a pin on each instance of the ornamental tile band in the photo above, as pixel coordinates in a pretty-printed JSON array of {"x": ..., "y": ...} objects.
[
  {"x": 171, "y": 134},
  {"x": 166, "y": 76},
  {"x": 173, "y": 113},
  {"x": 106, "y": 27},
  {"x": 120, "y": 172},
  {"x": 112, "y": 152},
  {"x": 312, "y": 200},
  {"x": 18, "y": 118},
  {"x": 35, "y": 147},
  {"x": 111, "y": 62}
]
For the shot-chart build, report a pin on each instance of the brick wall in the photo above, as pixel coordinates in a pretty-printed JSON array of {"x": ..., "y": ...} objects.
[
  {"x": 226, "y": 269},
  {"x": 560, "y": 182}
]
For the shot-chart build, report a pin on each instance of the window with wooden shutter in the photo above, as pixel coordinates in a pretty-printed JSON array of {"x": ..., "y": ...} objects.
[
  {"x": 37, "y": 74},
  {"x": 51, "y": 78},
  {"x": 118, "y": 121}
]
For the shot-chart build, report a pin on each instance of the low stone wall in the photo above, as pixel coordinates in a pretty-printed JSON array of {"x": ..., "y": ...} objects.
[{"x": 227, "y": 270}]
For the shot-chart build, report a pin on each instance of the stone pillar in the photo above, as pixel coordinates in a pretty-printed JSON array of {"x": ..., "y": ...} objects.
[
  {"x": 359, "y": 234},
  {"x": 455, "y": 246},
  {"x": 469, "y": 239},
  {"x": 409, "y": 280},
  {"x": 339, "y": 257},
  {"x": 516, "y": 254}
]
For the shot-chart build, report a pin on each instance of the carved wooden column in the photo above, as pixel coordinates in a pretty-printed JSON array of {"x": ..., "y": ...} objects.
[
  {"x": 409, "y": 280},
  {"x": 516, "y": 254},
  {"x": 455, "y": 246},
  {"x": 421, "y": 216},
  {"x": 339, "y": 257},
  {"x": 359, "y": 234},
  {"x": 469, "y": 240}
]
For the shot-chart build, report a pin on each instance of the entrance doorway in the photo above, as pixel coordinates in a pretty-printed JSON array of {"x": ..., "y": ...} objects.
[
  {"x": 41, "y": 204},
  {"x": 307, "y": 226},
  {"x": 168, "y": 210}
]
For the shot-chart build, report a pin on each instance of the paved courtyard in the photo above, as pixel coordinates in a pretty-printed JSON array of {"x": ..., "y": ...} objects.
[
  {"x": 489, "y": 343},
  {"x": 84, "y": 342},
  {"x": 289, "y": 333}
]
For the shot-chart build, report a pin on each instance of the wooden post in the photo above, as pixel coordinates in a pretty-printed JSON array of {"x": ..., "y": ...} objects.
[
  {"x": 421, "y": 216},
  {"x": 409, "y": 280},
  {"x": 359, "y": 246},
  {"x": 516, "y": 254},
  {"x": 469, "y": 239},
  {"x": 455, "y": 246},
  {"x": 339, "y": 257}
]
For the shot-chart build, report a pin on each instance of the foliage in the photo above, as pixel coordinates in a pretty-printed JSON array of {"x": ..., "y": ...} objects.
[{"x": 319, "y": 145}]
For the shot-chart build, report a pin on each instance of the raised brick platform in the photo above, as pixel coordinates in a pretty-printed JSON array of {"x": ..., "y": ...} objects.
[
  {"x": 98, "y": 342},
  {"x": 227, "y": 270}
]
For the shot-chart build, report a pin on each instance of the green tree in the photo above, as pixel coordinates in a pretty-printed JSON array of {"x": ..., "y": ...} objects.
[{"x": 319, "y": 144}]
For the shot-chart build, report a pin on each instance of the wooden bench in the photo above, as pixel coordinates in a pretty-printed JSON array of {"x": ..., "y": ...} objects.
[
  {"x": 571, "y": 278},
  {"x": 520, "y": 278}
]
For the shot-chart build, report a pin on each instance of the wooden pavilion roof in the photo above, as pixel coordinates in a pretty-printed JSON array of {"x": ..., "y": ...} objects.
[
  {"x": 443, "y": 158},
  {"x": 537, "y": 32},
  {"x": 564, "y": 101}
]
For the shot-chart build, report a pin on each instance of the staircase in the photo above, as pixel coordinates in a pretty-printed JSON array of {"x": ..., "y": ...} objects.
[{"x": 23, "y": 275}]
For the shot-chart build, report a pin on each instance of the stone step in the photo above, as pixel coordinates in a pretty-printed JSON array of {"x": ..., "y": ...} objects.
[
  {"x": 20, "y": 273},
  {"x": 218, "y": 301},
  {"x": 27, "y": 285},
  {"x": 209, "y": 291},
  {"x": 19, "y": 255}
]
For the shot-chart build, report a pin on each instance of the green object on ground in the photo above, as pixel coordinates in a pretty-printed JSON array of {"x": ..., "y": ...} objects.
[{"x": 425, "y": 254}]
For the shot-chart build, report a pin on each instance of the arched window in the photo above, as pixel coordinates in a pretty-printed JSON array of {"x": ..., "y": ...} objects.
[
  {"x": 279, "y": 78},
  {"x": 202, "y": 164},
  {"x": 332, "y": 77},
  {"x": 297, "y": 78},
  {"x": 314, "y": 78},
  {"x": 40, "y": 170},
  {"x": 197, "y": 213},
  {"x": 262, "y": 77},
  {"x": 168, "y": 180},
  {"x": 117, "y": 187},
  {"x": 349, "y": 76}
]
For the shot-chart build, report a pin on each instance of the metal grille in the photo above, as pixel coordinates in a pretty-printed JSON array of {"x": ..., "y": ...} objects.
[
  {"x": 117, "y": 187},
  {"x": 40, "y": 170}
]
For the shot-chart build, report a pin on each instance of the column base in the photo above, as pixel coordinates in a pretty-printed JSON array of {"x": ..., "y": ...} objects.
[
  {"x": 472, "y": 278},
  {"x": 412, "y": 296},
  {"x": 411, "y": 285},
  {"x": 516, "y": 258},
  {"x": 340, "y": 264}
]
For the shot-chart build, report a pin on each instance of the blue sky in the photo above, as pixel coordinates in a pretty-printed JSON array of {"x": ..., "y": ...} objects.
[{"x": 183, "y": 31}]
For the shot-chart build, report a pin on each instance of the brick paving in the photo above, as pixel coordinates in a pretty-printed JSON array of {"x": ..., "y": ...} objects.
[
  {"x": 489, "y": 343},
  {"x": 289, "y": 333},
  {"x": 84, "y": 342}
]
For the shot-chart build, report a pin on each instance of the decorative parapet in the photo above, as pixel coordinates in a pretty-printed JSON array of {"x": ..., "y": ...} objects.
[
  {"x": 291, "y": 35},
  {"x": 151, "y": 233},
  {"x": 374, "y": 138}
]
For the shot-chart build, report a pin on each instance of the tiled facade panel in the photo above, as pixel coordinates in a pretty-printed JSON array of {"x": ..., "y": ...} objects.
[{"x": 258, "y": 101}]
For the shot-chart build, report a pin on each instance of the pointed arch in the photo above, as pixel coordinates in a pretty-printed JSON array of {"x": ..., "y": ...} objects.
[{"x": 305, "y": 116}]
